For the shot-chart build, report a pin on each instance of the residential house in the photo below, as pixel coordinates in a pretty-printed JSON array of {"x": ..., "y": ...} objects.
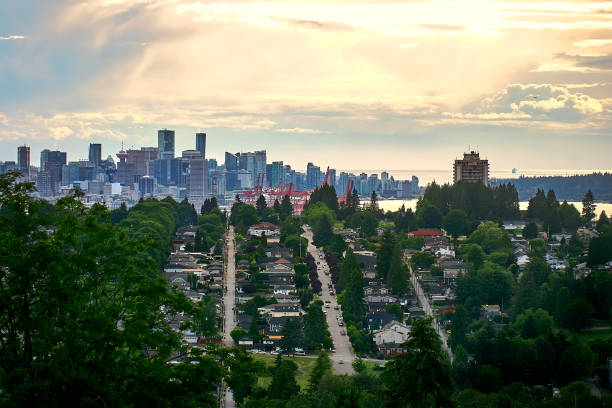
[{"x": 265, "y": 228}]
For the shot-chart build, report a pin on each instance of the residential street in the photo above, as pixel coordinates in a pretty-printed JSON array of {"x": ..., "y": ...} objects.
[
  {"x": 424, "y": 302},
  {"x": 229, "y": 301},
  {"x": 343, "y": 357}
]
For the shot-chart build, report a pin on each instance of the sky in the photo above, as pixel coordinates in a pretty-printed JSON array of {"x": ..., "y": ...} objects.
[{"x": 369, "y": 84}]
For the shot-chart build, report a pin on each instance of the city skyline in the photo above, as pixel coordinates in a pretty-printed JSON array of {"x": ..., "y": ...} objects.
[{"x": 396, "y": 85}]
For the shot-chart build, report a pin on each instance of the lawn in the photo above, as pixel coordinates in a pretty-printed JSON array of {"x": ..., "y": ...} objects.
[
  {"x": 593, "y": 334},
  {"x": 305, "y": 366}
]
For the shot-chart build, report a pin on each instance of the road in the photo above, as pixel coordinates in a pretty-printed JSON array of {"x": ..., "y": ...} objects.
[
  {"x": 424, "y": 302},
  {"x": 229, "y": 301},
  {"x": 343, "y": 357},
  {"x": 229, "y": 298}
]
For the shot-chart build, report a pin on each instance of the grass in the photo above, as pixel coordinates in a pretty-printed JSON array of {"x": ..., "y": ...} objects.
[
  {"x": 386, "y": 224},
  {"x": 592, "y": 334},
  {"x": 305, "y": 366},
  {"x": 339, "y": 224}
]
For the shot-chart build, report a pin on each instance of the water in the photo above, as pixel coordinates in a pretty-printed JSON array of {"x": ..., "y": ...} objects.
[
  {"x": 446, "y": 176},
  {"x": 394, "y": 205}
]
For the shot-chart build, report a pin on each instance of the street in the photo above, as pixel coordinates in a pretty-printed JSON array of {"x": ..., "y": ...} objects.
[
  {"x": 229, "y": 300},
  {"x": 343, "y": 357},
  {"x": 427, "y": 308}
]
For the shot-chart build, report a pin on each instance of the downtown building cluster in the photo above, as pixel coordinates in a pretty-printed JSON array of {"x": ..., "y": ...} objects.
[{"x": 157, "y": 171}]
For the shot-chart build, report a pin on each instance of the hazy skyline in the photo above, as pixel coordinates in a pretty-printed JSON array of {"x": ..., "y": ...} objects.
[{"x": 387, "y": 85}]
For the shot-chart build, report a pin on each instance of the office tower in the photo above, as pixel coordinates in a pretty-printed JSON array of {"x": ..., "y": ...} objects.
[
  {"x": 146, "y": 186},
  {"x": 217, "y": 183},
  {"x": 212, "y": 165},
  {"x": 82, "y": 170},
  {"x": 260, "y": 165},
  {"x": 231, "y": 162},
  {"x": 372, "y": 183},
  {"x": 201, "y": 144},
  {"x": 277, "y": 173},
  {"x": 23, "y": 159},
  {"x": 43, "y": 184},
  {"x": 471, "y": 169},
  {"x": 313, "y": 176},
  {"x": 53, "y": 162},
  {"x": 134, "y": 164},
  {"x": 165, "y": 143},
  {"x": 198, "y": 179},
  {"x": 95, "y": 154},
  {"x": 414, "y": 184}
]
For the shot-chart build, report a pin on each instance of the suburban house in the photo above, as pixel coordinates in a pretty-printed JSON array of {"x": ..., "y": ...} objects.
[{"x": 264, "y": 228}]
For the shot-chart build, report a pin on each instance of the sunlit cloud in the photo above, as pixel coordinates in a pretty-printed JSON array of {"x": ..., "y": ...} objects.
[
  {"x": 302, "y": 130},
  {"x": 12, "y": 37}
]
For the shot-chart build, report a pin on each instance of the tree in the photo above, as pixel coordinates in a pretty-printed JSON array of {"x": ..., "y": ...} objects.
[
  {"x": 603, "y": 221},
  {"x": 286, "y": 208},
  {"x": 588, "y": 207},
  {"x": 293, "y": 335},
  {"x": 577, "y": 314},
  {"x": 205, "y": 317},
  {"x": 336, "y": 245},
  {"x": 422, "y": 260},
  {"x": 396, "y": 310},
  {"x": 373, "y": 207},
  {"x": 237, "y": 333},
  {"x": 81, "y": 305},
  {"x": 475, "y": 255},
  {"x": 530, "y": 231},
  {"x": 315, "y": 328},
  {"x": 398, "y": 273},
  {"x": 277, "y": 207},
  {"x": 384, "y": 253},
  {"x": 424, "y": 366},
  {"x": 261, "y": 204},
  {"x": 322, "y": 366},
  {"x": 429, "y": 217},
  {"x": 576, "y": 363},
  {"x": 322, "y": 232},
  {"x": 283, "y": 384},
  {"x": 456, "y": 223},
  {"x": 243, "y": 374}
]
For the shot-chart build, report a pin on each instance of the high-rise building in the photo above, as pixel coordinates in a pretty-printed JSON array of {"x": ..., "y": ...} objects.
[
  {"x": 134, "y": 164},
  {"x": 95, "y": 153},
  {"x": 23, "y": 159},
  {"x": 165, "y": 143},
  {"x": 201, "y": 144},
  {"x": 313, "y": 175},
  {"x": 43, "y": 184},
  {"x": 52, "y": 162},
  {"x": 277, "y": 173},
  {"x": 471, "y": 168},
  {"x": 198, "y": 179},
  {"x": 231, "y": 162}
]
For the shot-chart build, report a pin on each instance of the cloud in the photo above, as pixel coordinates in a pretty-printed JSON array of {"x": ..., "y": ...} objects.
[
  {"x": 592, "y": 43},
  {"x": 441, "y": 27},
  {"x": 302, "y": 130},
  {"x": 12, "y": 37},
  {"x": 534, "y": 102},
  {"x": 314, "y": 24}
]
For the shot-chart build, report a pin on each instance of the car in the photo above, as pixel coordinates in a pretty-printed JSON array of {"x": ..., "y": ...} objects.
[
  {"x": 342, "y": 332},
  {"x": 340, "y": 362},
  {"x": 336, "y": 307},
  {"x": 327, "y": 305},
  {"x": 331, "y": 293},
  {"x": 340, "y": 323}
]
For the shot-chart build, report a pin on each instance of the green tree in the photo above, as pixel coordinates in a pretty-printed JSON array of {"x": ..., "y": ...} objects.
[
  {"x": 261, "y": 205},
  {"x": 316, "y": 335},
  {"x": 424, "y": 367},
  {"x": 243, "y": 374},
  {"x": 384, "y": 253},
  {"x": 576, "y": 363},
  {"x": 570, "y": 217},
  {"x": 396, "y": 310},
  {"x": 475, "y": 256},
  {"x": 422, "y": 260},
  {"x": 286, "y": 208},
  {"x": 81, "y": 305},
  {"x": 398, "y": 273},
  {"x": 322, "y": 232},
  {"x": 293, "y": 335},
  {"x": 336, "y": 245},
  {"x": 588, "y": 207},
  {"x": 577, "y": 314},
  {"x": 429, "y": 217},
  {"x": 530, "y": 231},
  {"x": 456, "y": 223},
  {"x": 237, "y": 333},
  {"x": 322, "y": 366},
  {"x": 283, "y": 384}
]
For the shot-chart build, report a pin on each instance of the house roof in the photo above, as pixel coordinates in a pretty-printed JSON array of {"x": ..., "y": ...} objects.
[
  {"x": 264, "y": 225},
  {"x": 425, "y": 232},
  {"x": 283, "y": 261}
]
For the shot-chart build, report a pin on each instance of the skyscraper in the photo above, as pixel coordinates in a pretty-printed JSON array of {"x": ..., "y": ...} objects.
[
  {"x": 95, "y": 154},
  {"x": 23, "y": 159},
  {"x": 198, "y": 179},
  {"x": 471, "y": 168},
  {"x": 52, "y": 162},
  {"x": 165, "y": 143},
  {"x": 201, "y": 144}
]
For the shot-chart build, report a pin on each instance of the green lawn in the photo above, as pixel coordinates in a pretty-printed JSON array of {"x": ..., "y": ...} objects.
[
  {"x": 339, "y": 224},
  {"x": 592, "y": 334},
  {"x": 305, "y": 365},
  {"x": 386, "y": 224}
]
